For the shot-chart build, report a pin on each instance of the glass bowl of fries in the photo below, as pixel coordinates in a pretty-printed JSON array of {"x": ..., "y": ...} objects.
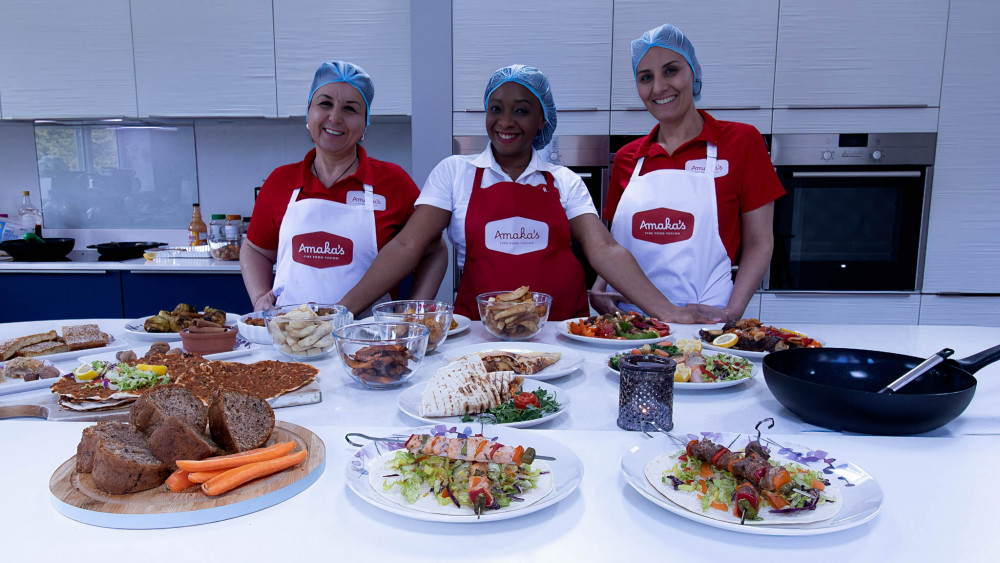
[
  {"x": 435, "y": 315},
  {"x": 381, "y": 355},
  {"x": 514, "y": 315}
]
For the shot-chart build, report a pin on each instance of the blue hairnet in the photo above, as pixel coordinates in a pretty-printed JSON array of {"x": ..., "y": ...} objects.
[
  {"x": 342, "y": 71},
  {"x": 668, "y": 37},
  {"x": 532, "y": 79}
]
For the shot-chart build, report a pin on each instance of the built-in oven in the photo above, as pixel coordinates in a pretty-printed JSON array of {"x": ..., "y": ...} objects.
[
  {"x": 587, "y": 155},
  {"x": 854, "y": 214}
]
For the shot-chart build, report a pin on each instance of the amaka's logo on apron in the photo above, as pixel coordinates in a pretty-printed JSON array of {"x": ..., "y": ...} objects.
[
  {"x": 662, "y": 225},
  {"x": 516, "y": 235},
  {"x": 322, "y": 250}
]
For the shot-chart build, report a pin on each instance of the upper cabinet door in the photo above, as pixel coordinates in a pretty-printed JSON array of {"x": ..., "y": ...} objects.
[
  {"x": 66, "y": 59},
  {"x": 196, "y": 58},
  {"x": 734, "y": 45},
  {"x": 855, "y": 53},
  {"x": 568, "y": 40},
  {"x": 374, "y": 34}
]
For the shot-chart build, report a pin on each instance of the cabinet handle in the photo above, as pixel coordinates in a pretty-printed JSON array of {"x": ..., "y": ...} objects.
[
  {"x": 871, "y": 174},
  {"x": 561, "y": 110},
  {"x": 858, "y": 106},
  {"x": 707, "y": 108},
  {"x": 163, "y": 272}
]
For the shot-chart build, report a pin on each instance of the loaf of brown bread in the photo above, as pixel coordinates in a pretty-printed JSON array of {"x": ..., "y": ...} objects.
[
  {"x": 174, "y": 439},
  {"x": 239, "y": 421},
  {"x": 93, "y": 434},
  {"x": 155, "y": 405},
  {"x": 122, "y": 467}
]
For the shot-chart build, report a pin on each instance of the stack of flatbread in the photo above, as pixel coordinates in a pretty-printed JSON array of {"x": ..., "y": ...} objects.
[
  {"x": 528, "y": 363},
  {"x": 466, "y": 387}
]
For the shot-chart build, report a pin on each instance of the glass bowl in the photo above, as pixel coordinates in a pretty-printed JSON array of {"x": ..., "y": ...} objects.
[
  {"x": 435, "y": 315},
  {"x": 381, "y": 355},
  {"x": 514, "y": 320},
  {"x": 305, "y": 332}
]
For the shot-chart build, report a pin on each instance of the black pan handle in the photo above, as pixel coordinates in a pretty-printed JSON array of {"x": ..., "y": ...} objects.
[{"x": 976, "y": 362}]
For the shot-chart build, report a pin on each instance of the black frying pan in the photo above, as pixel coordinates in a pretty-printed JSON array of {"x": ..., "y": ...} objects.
[
  {"x": 35, "y": 251},
  {"x": 837, "y": 388},
  {"x": 124, "y": 250}
]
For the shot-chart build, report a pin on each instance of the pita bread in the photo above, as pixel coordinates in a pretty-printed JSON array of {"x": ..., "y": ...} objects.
[
  {"x": 466, "y": 387},
  {"x": 528, "y": 363}
]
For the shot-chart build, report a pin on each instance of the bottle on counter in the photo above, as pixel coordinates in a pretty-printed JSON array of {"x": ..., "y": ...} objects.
[
  {"x": 197, "y": 230},
  {"x": 215, "y": 226},
  {"x": 29, "y": 214}
]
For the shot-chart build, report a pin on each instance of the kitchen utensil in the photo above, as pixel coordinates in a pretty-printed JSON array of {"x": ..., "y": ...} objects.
[
  {"x": 837, "y": 388},
  {"x": 115, "y": 251},
  {"x": 33, "y": 251},
  {"x": 916, "y": 372}
]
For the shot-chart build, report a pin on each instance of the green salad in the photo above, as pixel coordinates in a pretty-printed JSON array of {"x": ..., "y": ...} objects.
[{"x": 530, "y": 405}]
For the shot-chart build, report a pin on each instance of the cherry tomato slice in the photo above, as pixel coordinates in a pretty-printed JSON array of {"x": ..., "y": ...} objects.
[{"x": 524, "y": 400}]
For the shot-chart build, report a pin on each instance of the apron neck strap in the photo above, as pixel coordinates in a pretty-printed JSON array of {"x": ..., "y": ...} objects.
[{"x": 295, "y": 195}]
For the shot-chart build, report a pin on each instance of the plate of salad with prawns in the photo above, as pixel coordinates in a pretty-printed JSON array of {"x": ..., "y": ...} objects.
[
  {"x": 695, "y": 368},
  {"x": 615, "y": 329}
]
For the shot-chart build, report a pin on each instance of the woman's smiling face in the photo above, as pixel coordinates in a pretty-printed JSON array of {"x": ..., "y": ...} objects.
[
  {"x": 336, "y": 117},
  {"x": 665, "y": 83},
  {"x": 513, "y": 118}
]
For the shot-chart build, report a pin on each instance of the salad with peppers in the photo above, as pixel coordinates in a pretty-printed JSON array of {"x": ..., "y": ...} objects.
[
  {"x": 630, "y": 326},
  {"x": 691, "y": 365},
  {"x": 529, "y": 405}
]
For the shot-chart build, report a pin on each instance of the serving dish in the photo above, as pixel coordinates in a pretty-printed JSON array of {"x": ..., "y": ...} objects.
[
  {"x": 563, "y": 328},
  {"x": 137, "y": 328},
  {"x": 567, "y": 364},
  {"x": 409, "y": 402},
  {"x": 463, "y": 324},
  {"x": 19, "y": 385},
  {"x": 687, "y": 385}
]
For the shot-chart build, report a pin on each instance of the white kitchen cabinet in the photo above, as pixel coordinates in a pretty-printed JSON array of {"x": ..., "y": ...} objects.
[
  {"x": 734, "y": 41},
  {"x": 568, "y": 40},
  {"x": 963, "y": 238},
  {"x": 855, "y": 53},
  {"x": 830, "y": 308},
  {"x": 66, "y": 59},
  {"x": 374, "y": 34},
  {"x": 195, "y": 58},
  {"x": 641, "y": 123},
  {"x": 960, "y": 310},
  {"x": 570, "y": 123}
]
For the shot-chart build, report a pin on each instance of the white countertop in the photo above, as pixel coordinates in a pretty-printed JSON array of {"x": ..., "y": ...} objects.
[
  {"x": 595, "y": 523},
  {"x": 170, "y": 265}
]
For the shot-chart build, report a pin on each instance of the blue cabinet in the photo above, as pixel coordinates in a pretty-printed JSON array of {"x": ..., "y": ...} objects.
[
  {"x": 145, "y": 294},
  {"x": 39, "y": 295}
]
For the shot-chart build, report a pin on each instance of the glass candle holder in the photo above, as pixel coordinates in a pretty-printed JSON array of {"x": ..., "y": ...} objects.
[{"x": 646, "y": 392}]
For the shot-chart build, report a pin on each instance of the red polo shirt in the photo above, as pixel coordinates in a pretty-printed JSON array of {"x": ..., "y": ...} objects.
[
  {"x": 745, "y": 182},
  {"x": 387, "y": 180}
]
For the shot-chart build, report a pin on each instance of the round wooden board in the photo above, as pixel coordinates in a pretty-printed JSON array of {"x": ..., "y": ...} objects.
[{"x": 75, "y": 496}]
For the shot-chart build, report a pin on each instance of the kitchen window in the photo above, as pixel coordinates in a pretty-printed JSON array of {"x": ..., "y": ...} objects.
[{"x": 116, "y": 175}]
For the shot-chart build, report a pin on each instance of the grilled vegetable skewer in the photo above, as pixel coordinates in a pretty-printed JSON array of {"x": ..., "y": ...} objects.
[
  {"x": 473, "y": 448},
  {"x": 751, "y": 467},
  {"x": 479, "y": 487}
]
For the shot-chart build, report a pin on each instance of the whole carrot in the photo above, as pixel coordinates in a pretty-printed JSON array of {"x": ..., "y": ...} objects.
[
  {"x": 236, "y": 460},
  {"x": 239, "y": 475},
  {"x": 179, "y": 480},
  {"x": 202, "y": 476}
]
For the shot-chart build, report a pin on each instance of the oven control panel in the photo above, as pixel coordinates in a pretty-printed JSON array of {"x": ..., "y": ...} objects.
[{"x": 846, "y": 149}]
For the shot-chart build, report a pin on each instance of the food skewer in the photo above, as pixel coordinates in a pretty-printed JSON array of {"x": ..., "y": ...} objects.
[{"x": 442, "y": 444}]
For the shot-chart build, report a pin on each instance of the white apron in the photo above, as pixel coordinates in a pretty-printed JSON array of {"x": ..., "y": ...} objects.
[
  {"x": 324, "y": 247},
  {"x": 668, "y": 220}
]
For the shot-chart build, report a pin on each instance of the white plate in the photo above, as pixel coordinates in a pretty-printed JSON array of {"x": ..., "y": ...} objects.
[
  {"x": 136, "y": 328},
  {"x": 567, "y": 471},
  {"x": 241, "y": 348},
  {"x": 688, "y": 385},
  {"x": 750, "y": 355},
  {"x": 113, "y": 344},
  {"x": 861, "y": 493},
  {"x": 463, "y": 324},
  {"x": 255, "y": 334},
  {"x": 563, "y": 328},
  {"x": 409, "y": 403},
  {"x": 570, "y": 360},
  {"x": 18, "y": 385}
]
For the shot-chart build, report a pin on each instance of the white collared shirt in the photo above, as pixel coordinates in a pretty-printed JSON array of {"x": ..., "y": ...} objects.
[{"x": 449, "y": 187}]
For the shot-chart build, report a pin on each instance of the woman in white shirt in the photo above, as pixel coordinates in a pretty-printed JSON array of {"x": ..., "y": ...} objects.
[{"x": 512, "y": 216}]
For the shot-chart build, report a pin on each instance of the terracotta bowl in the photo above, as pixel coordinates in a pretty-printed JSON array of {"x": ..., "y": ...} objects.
[{"x": 209, "y": 342}]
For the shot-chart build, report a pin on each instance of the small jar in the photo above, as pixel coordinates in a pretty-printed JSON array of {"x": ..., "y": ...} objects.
[
  {"x": 233, "y": 227},
  {"x": 215, "y": 227},
  {"x": 226, "y": 245}
]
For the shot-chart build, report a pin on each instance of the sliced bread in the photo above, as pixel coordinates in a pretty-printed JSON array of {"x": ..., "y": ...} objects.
[
  {"x": 154, "y": 406},
  {"x": 239, "y": 421},
  {"x": 174, "y": 439},
  {"x": 127, "y": 466},
  {"x": 93, "y": 434}
]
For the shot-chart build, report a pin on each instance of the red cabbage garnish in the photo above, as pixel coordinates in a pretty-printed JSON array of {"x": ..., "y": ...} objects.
[
  {"x": 676, "y": 482},
  {"x": 452, "y": 497},
  {"x": 393, "y": 475}
]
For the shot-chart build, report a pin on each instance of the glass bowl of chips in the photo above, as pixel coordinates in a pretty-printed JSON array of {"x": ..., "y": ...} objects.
[
  {"x": 514, "y": 315},
  {"x": 381, "y": 355},
  {"x": 435, "y": 315},
  {"x": 305, "y": 332}
]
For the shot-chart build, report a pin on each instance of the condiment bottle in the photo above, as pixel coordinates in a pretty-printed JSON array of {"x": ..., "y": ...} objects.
[
  {"x": 197, "y": 231},
  {"x": 30, "y": 215},
  {"x": 215, "y": 227},
  {"x": 233, "y": 228}
]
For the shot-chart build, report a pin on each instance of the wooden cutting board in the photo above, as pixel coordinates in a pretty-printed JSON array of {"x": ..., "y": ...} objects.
[
  {"x": 75, "y": 496},
  {"x": 48, "y": 407}
]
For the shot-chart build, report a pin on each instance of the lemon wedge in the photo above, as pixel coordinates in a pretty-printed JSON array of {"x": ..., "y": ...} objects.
[
  {"x": 727, "y": 340},
  {"x": 682, "y": 373},
  {"x": 158, "y": 370},
  {"x": 85, "y": 373},
  {"x": 688, "y": 345}
]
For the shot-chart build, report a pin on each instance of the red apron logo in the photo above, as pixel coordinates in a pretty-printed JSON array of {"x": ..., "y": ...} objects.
[
  {"x": 322, "y": 250},
  {"x": 662, "y": 225},
  {"x": 517, "y": 235}
]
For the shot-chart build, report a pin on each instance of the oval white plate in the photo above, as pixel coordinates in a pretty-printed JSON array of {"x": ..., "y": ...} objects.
[
  {"x": 570, "y": 360},
  {"x": 409, "y": 403},
  {"x": 18, "y": 385},
  {"x": 688, "y": 385},
  {"x": 750, "y": 355},
  {"x": 567, "y": 471},
  {"x": 241, "y": 348},
  {"x": 463, "y": 324},
  {"x": 114, "y": 343},
  {"x": 862, "y": 495},
  {"x": 136, "y": 328},
  {"x": 563, "y": 328}
]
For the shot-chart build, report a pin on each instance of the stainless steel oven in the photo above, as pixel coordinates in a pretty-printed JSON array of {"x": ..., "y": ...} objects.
[{"x": 854, "y": 215}]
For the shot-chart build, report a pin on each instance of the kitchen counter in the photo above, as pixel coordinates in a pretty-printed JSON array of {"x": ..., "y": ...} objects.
[
  {"x": 80, "y": 261},
  {"x": 603, "y": 517}
]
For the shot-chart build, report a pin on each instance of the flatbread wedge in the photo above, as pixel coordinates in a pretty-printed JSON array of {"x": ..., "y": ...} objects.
[
  {"x": 466, "y": 387},
  {"x": 527, "y": 363}
]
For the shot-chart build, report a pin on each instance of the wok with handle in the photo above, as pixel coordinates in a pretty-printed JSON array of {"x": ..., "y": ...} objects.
[{"x": 838, "y": 388}]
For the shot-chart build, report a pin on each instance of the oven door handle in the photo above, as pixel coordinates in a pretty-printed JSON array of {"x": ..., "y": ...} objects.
[{"x": 870, "y": 174}]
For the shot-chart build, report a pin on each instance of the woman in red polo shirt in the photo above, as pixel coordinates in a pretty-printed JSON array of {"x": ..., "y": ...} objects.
[
  {"x": 323, "y": 220},
  {"x": 692, "y": 197}
]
